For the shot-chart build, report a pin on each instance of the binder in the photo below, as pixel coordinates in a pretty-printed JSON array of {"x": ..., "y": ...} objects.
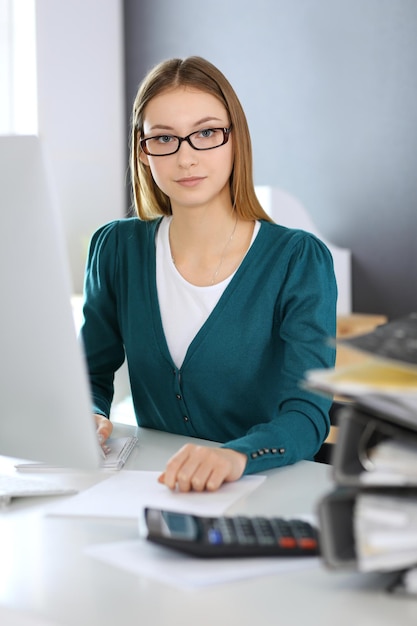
[
  {"x": 362, "y": 427},
  {"x": 369, "y": 521},
  {"x": 339, "y": 545},
  {"x": 388, "y": 542}
]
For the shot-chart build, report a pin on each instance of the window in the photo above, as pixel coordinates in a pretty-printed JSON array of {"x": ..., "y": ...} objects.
[{"x": 18, "y": 93}]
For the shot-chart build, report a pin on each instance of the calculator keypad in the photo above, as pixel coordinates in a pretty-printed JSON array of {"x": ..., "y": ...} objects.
[{"x": 289, "y": 535}]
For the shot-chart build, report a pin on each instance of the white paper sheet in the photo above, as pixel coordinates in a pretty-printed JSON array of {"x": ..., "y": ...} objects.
[
  {"x": 184, "y": 571},
  {"x": 125, "y": 494}
]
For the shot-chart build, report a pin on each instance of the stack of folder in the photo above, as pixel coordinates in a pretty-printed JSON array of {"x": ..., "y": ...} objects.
[{"x": 369, "y": 521}]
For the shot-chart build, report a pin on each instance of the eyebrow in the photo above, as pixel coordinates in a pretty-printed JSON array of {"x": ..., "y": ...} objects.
[{"x": 203, "y": 120}]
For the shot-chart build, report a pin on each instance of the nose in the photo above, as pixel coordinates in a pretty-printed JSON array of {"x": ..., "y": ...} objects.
[{"x": 187, "y": 155}]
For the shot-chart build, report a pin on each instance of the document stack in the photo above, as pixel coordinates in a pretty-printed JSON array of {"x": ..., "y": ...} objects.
[{"x": 369, "y": 521}]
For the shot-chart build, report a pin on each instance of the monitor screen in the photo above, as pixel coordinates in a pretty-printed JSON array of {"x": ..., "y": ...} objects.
[{"x": 44, "y": 391}]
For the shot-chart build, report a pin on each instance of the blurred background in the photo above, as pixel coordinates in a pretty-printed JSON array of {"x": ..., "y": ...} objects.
[{"x": 329, "y": 88}]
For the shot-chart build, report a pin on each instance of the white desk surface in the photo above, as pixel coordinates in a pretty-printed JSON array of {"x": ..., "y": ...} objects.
[{"x": 44, "y": 571}]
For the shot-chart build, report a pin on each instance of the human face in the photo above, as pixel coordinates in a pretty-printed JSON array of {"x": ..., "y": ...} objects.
[{"x": 189, "y": 177}]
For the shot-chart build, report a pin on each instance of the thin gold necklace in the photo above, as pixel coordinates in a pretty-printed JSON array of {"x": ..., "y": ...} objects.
[{"x": 227, "y": 244}]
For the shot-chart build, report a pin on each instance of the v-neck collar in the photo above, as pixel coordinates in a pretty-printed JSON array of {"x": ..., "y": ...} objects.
[{"x": 219, "y": 307}]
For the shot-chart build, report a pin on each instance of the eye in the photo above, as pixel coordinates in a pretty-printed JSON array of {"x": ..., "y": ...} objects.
[
  {"x": 206, "y": 133},
  {"x": 164, "y": 138}
]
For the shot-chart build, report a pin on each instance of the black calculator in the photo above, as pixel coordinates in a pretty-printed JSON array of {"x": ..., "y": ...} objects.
[{"x": 235, "y": 536}]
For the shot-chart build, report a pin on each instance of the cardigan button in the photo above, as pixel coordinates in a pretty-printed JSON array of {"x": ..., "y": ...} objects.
[
  {"x": 178, "y": 396},
  {"x": 186, "y": 418},
  {"x": 281, "y": 450},
  {"x": 254, "y": 455}
]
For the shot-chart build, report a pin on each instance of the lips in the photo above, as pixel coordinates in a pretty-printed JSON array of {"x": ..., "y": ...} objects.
[{"x": 190, "y": 181}]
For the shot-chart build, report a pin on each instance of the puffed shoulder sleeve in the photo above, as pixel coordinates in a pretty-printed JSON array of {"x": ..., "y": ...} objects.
[
  {"x": 305, "y": 322},
  {"x": 100, "y": 332}
]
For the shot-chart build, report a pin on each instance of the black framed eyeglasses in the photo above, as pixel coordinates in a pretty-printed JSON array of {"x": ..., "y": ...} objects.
[{"x": 206, "y": 139}]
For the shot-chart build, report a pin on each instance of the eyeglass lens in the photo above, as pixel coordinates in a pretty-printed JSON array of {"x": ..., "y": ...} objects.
[{"x": 206, "y": 139}]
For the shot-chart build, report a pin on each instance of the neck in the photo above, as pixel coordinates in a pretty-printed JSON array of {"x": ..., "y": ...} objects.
[
  {"x": 202, "y": 231},
  {"x": 206, "y": 251}
]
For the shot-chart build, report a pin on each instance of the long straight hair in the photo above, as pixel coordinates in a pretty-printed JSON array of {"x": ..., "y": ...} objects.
[{"x": 149, "y": 201}]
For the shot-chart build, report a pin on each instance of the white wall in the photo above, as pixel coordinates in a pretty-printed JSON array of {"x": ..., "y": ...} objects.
[{"x": 81, "y": 114}]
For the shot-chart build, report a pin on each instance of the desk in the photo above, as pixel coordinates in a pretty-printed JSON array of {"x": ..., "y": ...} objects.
[{"x": 43, "y": 568}]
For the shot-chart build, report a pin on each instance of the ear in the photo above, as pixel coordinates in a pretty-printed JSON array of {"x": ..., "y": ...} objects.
[{"x": 143, "y": 157}]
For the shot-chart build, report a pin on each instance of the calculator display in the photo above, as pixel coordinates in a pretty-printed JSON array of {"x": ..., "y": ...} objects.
[{"x": 172, "y": 525}]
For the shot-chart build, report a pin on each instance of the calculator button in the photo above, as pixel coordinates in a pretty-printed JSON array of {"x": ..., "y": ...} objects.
[
  {"x": 308, "y": 543},
  {"x": 214, "y": 536},
  {"x": 264, "y": 531},
  {"x": 287, "y": 542},
  {"x": 244, "y": 530},
  {"x": 225, "y": 527}
]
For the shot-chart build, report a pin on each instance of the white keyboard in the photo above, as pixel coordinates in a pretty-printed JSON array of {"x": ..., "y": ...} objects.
[{"x": 12, "y": 486}]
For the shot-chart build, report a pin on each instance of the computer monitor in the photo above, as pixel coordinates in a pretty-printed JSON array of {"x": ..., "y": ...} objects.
[{"x": 45, "y": 408}]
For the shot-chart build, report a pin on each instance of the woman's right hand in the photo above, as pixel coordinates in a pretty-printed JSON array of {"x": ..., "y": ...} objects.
[{"x": 104, "y": 429}]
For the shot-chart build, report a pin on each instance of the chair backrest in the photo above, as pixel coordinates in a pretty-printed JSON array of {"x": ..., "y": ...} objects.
[{"x": 286, "y": 210}]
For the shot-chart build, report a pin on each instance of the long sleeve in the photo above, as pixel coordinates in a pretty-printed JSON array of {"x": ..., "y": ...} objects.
[
  {"x": 240, "y": 381},
  {"x": 100, "y": 332},
  {"x": 305, "y": 320}
]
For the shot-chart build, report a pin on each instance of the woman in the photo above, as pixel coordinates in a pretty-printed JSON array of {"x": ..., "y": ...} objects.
[{"x": 218, "y": 311}]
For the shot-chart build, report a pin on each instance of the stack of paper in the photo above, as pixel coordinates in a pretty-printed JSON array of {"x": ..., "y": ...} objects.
[
  {"x": 385, "y": 529},
  {"x": 391, "y": 462},
  {"x": 372, "y": 376}
]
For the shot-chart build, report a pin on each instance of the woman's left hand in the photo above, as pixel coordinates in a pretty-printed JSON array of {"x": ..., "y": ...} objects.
[{"x": 201, "y": 468}]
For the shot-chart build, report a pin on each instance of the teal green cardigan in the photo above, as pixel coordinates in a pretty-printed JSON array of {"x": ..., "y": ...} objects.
[{"x": 239, "y": 384}]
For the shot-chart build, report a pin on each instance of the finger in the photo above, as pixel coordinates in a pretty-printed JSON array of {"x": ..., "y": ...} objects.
[
  {"x": 201, "y": 476},
  {"x": 216, "y": 479},
  {"x": 186, "y": 473},
  {"x": 161, "y": 478},
  {"x": 104, "y": 428},
  {"x": 225, "y": 466},
  {"x": 182, "y": 466},
  {"x": 174, "y": 464},
  {"x": 197, "y": 482}
]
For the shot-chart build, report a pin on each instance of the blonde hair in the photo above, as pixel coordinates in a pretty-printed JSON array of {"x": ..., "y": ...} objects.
[{"x": 150, "y": 202}]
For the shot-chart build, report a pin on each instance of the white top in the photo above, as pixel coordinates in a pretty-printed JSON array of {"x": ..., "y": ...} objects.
[{"x": 184, "y": 307}]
